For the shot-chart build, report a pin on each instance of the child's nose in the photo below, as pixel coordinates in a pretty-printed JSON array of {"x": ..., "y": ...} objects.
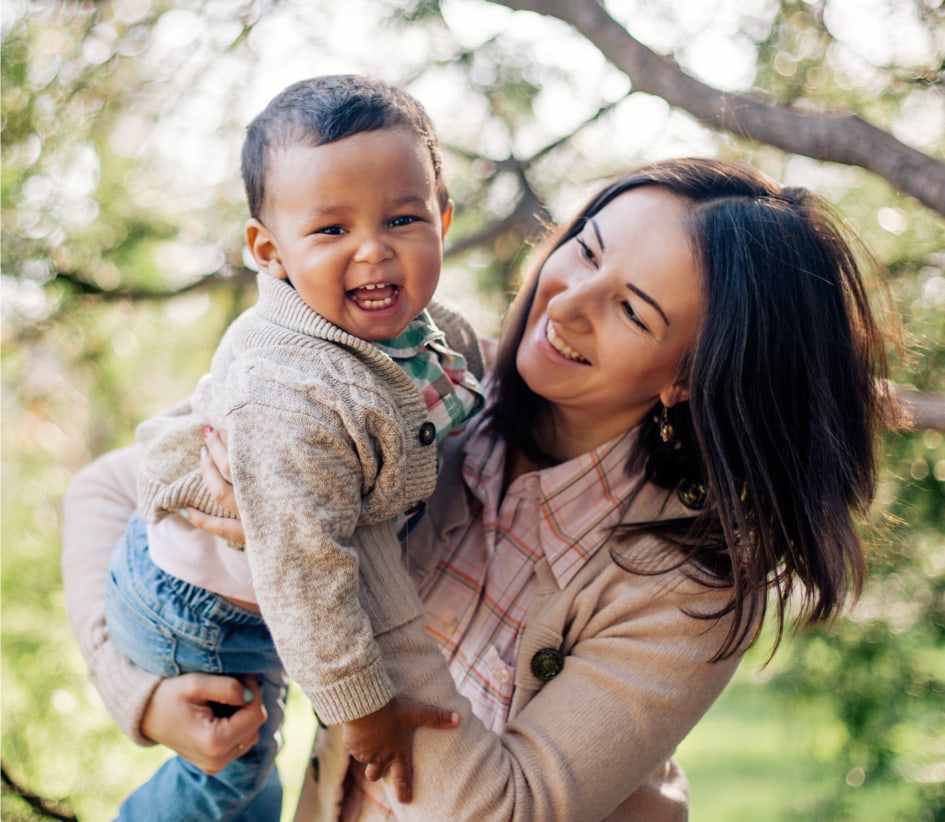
[{"x": 372, "y": 249}]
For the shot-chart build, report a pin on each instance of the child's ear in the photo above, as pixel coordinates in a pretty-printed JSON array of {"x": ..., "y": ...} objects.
[
  {"x": 447, "y": 218},
  {"x": 262, "y": 245}
]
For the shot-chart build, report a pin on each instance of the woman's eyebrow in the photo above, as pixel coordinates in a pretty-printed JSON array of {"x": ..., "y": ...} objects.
[
  {"x": 641, "y": 294},
  {"x": 647, "y": 298}
]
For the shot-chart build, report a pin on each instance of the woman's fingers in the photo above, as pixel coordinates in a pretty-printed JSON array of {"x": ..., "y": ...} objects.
[
  {"x": 215, "y": 470},
  {"x": 187, "y": 714},
  {"x": 218, "y": 486},
  {"x": 219, "y": 455},
  {"x": 225, "y": 527}
]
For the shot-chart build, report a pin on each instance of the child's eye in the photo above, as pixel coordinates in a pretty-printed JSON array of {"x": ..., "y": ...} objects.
[
  {"x": 333, "y": 230},
  {"x": 405, "y": 219}
]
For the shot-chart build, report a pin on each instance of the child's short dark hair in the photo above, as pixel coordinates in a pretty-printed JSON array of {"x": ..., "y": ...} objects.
[{"x": 327, "y": 109}]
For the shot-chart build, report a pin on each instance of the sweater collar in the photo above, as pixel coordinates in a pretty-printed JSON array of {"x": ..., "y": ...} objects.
[{"x": 281, "y": 304}]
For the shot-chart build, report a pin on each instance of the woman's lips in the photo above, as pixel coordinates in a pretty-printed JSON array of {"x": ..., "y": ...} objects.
[{"x": 562, "y": 346}]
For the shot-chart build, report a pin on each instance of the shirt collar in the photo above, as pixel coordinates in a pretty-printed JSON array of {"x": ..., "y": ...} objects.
[
  {"x": 580, "y": 501},
  {"x": 413, "y": 339}
]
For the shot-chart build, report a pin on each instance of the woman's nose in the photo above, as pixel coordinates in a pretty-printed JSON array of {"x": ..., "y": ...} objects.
[
  {"x": 373, "y": 249},
  {"x": 574, "y": 304}
]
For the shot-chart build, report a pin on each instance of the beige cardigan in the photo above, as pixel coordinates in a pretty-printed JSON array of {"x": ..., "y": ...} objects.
[{"x": 595, "y": 742}]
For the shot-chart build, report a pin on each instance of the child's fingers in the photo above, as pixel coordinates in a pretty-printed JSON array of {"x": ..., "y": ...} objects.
[
  {"x": 373, "y": 771},
  {"x": 426, "y": 716},
  {"x": 401, "y": 774}
]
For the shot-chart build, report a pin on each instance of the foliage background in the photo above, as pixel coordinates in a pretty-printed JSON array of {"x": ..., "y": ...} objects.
[{"x": 122, "y": 263}]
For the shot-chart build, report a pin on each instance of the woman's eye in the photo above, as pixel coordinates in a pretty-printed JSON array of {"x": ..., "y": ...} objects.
[
  {"x": 634, "y": 317},
  {"x": 586, "y": 250}
]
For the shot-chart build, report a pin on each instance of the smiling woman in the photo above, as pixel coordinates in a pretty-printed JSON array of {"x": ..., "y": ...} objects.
[{"x": 615, "y": 310}]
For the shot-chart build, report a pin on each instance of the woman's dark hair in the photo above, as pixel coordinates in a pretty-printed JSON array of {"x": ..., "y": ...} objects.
[
  {"x": 327, "y": 109},
  {"x": 777, "y": 441}
]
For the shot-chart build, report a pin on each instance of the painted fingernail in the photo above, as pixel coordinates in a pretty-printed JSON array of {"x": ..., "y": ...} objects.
[
  {"x": 207, "y": 430},
  {"x": 184, "y": 513},
  {"x": 248, "y": 695}
]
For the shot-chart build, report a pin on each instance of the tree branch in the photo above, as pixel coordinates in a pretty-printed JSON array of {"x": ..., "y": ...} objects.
[
  {"x": 44, "y": 807},
  {"x": 844, "y": 139},
  {"x": 529, "y": 213},
  {"x": 236, "y": 277},
  {"x": 527, "y": 216}
]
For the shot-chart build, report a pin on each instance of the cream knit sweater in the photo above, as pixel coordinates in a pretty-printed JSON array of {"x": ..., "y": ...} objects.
[{"x": 325, "y": 434}]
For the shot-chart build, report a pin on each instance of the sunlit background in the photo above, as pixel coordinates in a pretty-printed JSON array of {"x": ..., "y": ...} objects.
[{"x": 122, "y": 213}]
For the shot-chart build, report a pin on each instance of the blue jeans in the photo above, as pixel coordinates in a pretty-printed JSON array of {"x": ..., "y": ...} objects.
[{"x": 170, "y": 627}]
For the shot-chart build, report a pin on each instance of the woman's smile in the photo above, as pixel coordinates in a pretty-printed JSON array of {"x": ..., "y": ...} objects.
[{"x": 562, "y": 346}]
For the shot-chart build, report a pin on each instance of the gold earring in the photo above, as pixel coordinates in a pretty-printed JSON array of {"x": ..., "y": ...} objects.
[{"x": 666, "y": 427}]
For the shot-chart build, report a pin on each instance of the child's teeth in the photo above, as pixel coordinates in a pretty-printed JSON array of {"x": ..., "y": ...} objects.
[{"x": 358, "y": 295}]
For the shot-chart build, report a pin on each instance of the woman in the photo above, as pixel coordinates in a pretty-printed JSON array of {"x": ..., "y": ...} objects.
[{"x": 683, "y": 420}]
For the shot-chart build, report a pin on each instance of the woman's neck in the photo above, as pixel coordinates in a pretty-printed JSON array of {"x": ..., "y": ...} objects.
[
  {"x": 566, "y": 438},
  {"x": 562, "y": 438},
  {"x": 554, "y": 442}
]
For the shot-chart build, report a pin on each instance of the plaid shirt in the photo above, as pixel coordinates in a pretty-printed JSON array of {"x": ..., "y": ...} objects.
[
  {"x": 452, "y": 395},
  {"x": 477, "y": 597}
]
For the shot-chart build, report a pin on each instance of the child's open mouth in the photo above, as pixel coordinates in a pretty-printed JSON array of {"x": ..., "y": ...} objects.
[{"x": 375, "y": 295}]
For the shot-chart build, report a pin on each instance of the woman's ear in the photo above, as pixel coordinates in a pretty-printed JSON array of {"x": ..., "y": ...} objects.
[
  {"x": 677, "y": 392},
  {"x": 446, "y": 219},
  {"x": 262, "y": 245}
]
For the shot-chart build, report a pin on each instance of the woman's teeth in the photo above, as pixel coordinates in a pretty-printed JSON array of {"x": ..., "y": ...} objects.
[
  {"x": 561, "y": 346},
  {"x": 374, "y": 295}
]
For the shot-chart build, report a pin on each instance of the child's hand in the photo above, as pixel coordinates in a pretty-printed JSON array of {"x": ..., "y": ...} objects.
[{"x": 384, "y": 740}]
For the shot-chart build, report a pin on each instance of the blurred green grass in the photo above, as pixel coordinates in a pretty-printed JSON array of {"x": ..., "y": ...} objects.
[{"x": 755, "y": 756}]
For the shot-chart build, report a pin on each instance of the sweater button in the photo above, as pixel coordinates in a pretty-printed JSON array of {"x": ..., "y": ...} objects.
[
  {"x": 427, "y": 433},
  {"x": 547, "y": 663}
]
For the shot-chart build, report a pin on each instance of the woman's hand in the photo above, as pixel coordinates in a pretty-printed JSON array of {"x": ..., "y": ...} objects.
[
  {"x": 184, "y": 714},
  {"x": 215, "y": 469}
]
